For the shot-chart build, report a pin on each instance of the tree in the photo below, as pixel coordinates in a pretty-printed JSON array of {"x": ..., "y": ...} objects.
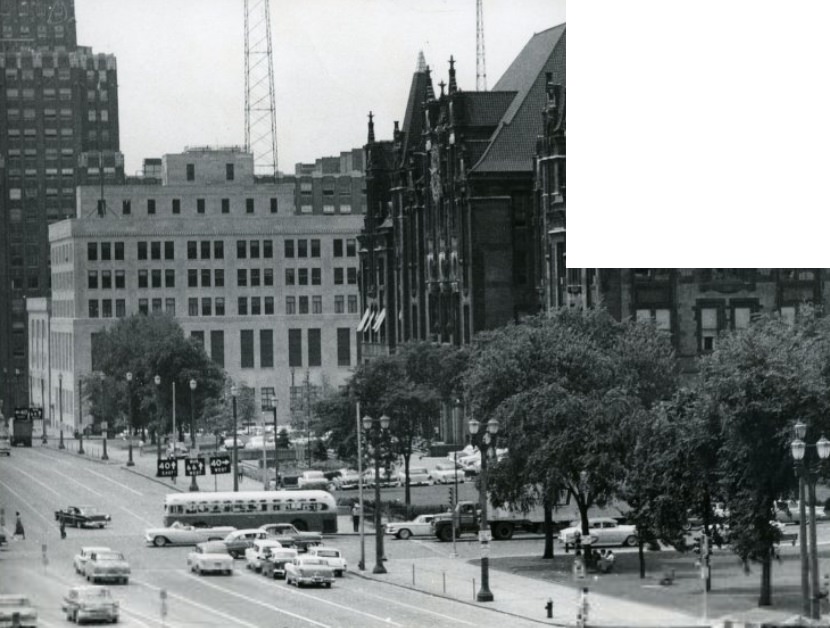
[
  {"x": 760, "y": 381},
  {"x": 147, "y": 346},
  {"x": 563, "y": 389}
]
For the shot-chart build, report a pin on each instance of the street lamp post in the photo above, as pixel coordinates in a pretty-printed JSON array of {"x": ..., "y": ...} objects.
[
  {"x": 810, "y": 592},
  {"x": 276, "y": 448},
  {"x": 43, "y": 438},
  {"x": 60, "y": 409},
  {"x": 16, "y": 386},
  {"x": 362, "y": 563},
  {"x": 81, "y": 413},
  {"x": 375, "y": 431},
  {"x": 157, "y": 382},
  {"x": 487, "y": 440},
  {"x": 130, "y": 462},
  {"x": 193, "y": 453},
  {"x": 234, "y": 393}
]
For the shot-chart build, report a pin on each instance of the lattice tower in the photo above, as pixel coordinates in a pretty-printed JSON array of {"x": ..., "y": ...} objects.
[
  {"x": 260, "y": 113},
  {"x": 481, "y": 68}
]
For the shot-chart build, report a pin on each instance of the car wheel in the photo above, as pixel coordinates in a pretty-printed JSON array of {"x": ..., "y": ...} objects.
[
  {"x": 87, "y": 578},
  {"x": 445, "y": 534},
  {"x": 115, "y": 619},
  {"x": 404, "y": 534},
  {"x": 160, "y": 541},
  {"x": 75, "y": 617},
  {"x": 631, "y": 541},
  {"x": 198, "y": 570},
  {"x": 328, "y": 584},
  {"x": 339, "y": 574}
]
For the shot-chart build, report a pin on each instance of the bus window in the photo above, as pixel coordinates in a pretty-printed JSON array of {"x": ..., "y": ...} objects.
[
  {"x": 263, "y": 506},
  {"x": 202, "y": 507},
  {"x": 239, "y": 506},
  {"x": 228, "y": 506}
]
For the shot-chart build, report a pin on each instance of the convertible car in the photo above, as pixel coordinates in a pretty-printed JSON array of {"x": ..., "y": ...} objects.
[
  {"x": 180, "y": 534},
  {"x": 82, "y": 517}
]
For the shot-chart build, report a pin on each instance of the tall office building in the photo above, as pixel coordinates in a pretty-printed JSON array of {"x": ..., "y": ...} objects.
[{"x": 58, "y": 126}]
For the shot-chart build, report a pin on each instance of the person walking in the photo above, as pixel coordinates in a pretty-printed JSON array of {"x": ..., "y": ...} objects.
[
  {"x": 63, "y": 528},
  {"x": 356, "y": 516},
  {"x": 18, "y": 527}
]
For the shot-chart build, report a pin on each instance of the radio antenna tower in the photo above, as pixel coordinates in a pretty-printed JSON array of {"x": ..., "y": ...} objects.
[
  {"x": 481, "y": 69},
  {"x": 260, "y": 113}
]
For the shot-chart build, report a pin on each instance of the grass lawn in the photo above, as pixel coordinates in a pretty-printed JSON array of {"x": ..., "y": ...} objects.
[{"x": 733, "y": 589}]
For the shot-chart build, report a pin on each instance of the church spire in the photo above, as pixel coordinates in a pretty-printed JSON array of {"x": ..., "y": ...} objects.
[
  {"x": 422, "y": 62},
  {"x": 453, "y": 85},
  {"x": 371, "y": 128},
  {"x": 430, "y": 93}
]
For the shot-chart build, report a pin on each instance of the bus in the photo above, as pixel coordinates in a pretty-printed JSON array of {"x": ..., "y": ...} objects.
[
  {"x": 306, "y": 510},
  {"x": 22, "y": 428}
]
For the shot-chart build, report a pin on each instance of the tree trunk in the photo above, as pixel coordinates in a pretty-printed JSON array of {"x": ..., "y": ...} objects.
[
  {"x": 766, "y": 581},
  {"x": 642, "y": 556},
  {"x": 548, "y": 529}
]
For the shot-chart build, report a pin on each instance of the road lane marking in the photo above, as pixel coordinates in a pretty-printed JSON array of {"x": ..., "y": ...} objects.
[
  {"x": 74, "y": 481},
  {"x": 422, "y": 609},
  {"x": 36, "y": 481},
  {"x": 139, "y": 517},
  {"x": 210, "y": 609},
  {"x": 431, "y": 548},
  {"x": 26, "y": 504},
  {"x": 124, "y": 486},
  {"x": 152, "y": 620},
  {"x": 319, "y": 600},
  {"x": 58, "y": 459}
]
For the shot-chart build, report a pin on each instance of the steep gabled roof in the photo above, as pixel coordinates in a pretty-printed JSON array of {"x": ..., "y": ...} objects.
[
  {"x": 486, "y": 108},
  {"x": 513, "y": 143},
  {"x": 413, "y": 120}
]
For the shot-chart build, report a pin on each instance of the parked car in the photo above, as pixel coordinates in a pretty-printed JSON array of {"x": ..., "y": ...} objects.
[
  {"x": 418, "y": 476},
  {"x": 79, "y": 562},
  {"x": 333, "y": 557},
  {"x": 82, "y": 517},
  {"x": 602, "y": 531},
  {"x": 107, "y": 565},
  {"x": 344, "y": 479},
  {"x": 241, "y": 439},
  {"x": 273, "y": 565},
  {"x": 788, "y": 511},
  {"x": 177, "y": 450},
  {"x": 210, "y": 557},
  {"x": 258, "y": 551},
  {"x": 289, "y": 536},
  {"x": 85, "y": 603},
  {"x": 238, "y": 541},
  {"x": 419, "y": 526},
  {"x": 455, "y": 456},
  {"x": 310, "y": 480},
  {"x": 304, "y": 570},
  {"x": 388, "y": 478},
  {"x": 179, "y": 533},
  {"x": 446, "y": 473},
  {"x": 12, "y": 604}
]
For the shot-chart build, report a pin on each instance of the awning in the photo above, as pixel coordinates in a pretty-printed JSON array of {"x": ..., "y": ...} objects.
[
  {"x": 379, "y": 320},
  {"x": 363, "y": 321}
]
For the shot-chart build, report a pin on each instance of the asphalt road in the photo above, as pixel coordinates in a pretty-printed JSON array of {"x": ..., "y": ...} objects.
[{"x": 39, "y": 481}]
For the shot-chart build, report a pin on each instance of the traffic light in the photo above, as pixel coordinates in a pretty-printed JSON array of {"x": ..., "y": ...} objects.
[
  {"x": 698, "y": 545},
  {"x": 452, "y": 497}
]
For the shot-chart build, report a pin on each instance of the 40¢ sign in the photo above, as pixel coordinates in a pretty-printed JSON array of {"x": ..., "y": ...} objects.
[
  {"x": 167, "y": 468},
  {"x": 220, "y": 464}
]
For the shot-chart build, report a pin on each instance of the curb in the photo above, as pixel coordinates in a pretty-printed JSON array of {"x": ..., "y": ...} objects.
[
  {"x": 152, "y": 478},
  {"x": 455, "y": 599},
  {"x": 69, "y": 452}
]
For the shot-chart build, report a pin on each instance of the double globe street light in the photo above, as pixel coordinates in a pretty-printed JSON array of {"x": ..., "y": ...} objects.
[
  {"x": 485, "y": 442},
  {"x": 376, "y": 431},
  {"x": 807, "y": 477},
  {"x": 194, "y": 454},
  {"x": 130, "y": 462}
]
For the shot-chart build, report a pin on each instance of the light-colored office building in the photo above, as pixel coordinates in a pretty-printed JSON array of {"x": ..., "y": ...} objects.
[{"x": 262, "y": 272}]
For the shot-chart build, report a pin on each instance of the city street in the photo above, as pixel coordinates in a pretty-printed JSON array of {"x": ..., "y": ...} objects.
[{"x": 38, "y": 481}]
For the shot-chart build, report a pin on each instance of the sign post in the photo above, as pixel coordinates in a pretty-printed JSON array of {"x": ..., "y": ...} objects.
[
  {"x": 167, "y": 468},
  {"x": 194, "y": 466}
]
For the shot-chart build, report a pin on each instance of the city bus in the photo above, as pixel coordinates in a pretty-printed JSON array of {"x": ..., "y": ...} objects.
[{"x": 306, "y": 510}]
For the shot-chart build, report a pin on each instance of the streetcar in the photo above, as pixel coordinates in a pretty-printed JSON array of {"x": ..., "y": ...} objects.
[{"x": 306, "y": 510}]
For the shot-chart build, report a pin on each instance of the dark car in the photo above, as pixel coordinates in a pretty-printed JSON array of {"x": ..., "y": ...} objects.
[
  {"x": 238, "y": 541},
  {"x": 82, "y": 517},
  {"x": 289, "y": 536}
]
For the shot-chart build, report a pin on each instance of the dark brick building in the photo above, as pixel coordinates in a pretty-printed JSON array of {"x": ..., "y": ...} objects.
[{"x": 58, "y": 122}]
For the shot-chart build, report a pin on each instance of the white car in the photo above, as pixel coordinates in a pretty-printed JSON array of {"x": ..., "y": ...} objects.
[
  {"x": 261, "y": 549},
  {"x": 304, "y": 570},
  {"x": 12, "y": 604},
  {"x": 210, "y": 557},
  {"x": 82, "y": 604},
  {"x": 332, "y": 557},
  {"x": 107, "y": 565},
  {"x": 181, "y": 534},
  {"x": 419, "y": 526},
  {"x": 446, "y": 473},
  {"x": 455, "y": 456},
  {"x": 84, "y": 555},
  {"x": 602, "y": 531},
  {"x": 344, "y": 479},
  {"x": 310, "y": 480},
  {"x": 417, "y": 476}
]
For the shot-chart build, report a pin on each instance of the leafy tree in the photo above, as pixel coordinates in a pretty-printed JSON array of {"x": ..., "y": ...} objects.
[
  {"x": 283, "y": 441},
  {"x": 335, "y": 411},
  {"x": 148, "y": 346},
  {"x": 761, "y": 381},
  {"x": 563, "y": 389}
]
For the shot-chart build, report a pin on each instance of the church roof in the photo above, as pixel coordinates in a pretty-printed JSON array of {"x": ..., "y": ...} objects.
[
  {"x": 513, "y": 143},
  {"x": 413, "y": 120},
  {"x": 486, "y": 108}
]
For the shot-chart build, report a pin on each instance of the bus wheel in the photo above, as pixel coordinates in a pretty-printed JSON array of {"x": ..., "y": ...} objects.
[{"x": 301, "y": 525}]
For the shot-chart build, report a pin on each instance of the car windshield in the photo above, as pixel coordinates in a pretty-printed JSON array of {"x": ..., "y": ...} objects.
[
  {"x": 311, "y": 561},
  {"x": 110, "y": 556},
  {"x": 95, "y": 594},
  {"x": 213, "y": 548},
  {"x": 14, "y": 600},
  {"x": 328, "y": 553}
]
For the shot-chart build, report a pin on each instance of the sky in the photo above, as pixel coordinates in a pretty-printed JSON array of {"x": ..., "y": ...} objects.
[{"x": 181, "y": 65}]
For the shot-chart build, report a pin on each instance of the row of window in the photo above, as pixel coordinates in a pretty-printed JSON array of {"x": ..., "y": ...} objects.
[
  {"x": 256, "y": 306},
  {"x": 201, "y": 206},
  {"x": 215, "y": 249}
]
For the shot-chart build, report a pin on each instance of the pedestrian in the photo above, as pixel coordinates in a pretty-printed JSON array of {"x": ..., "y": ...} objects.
[
  {"x": 356, "y": 516},
  {"x": 18, "y": 527},
  {"x": 63, "y": 528}
]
